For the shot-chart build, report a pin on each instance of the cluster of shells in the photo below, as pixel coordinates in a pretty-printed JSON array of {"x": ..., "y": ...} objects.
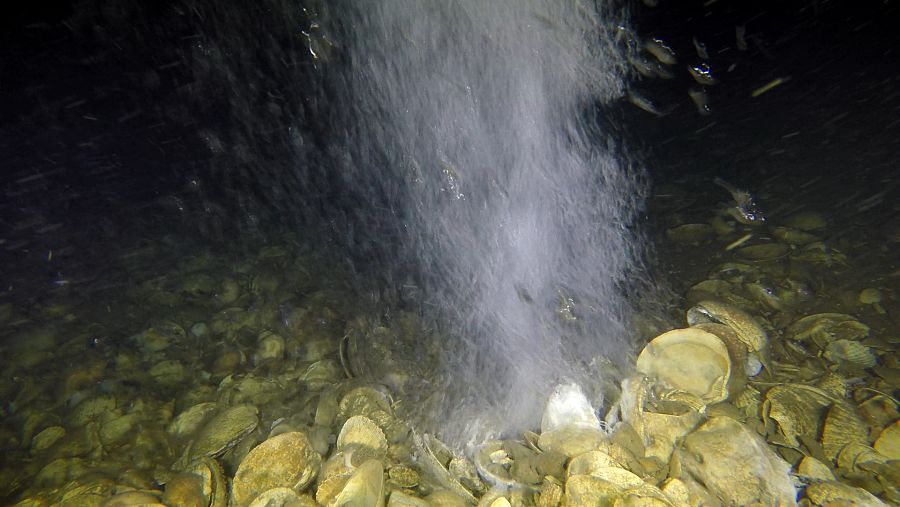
[
  {"x": 230, "y": 382},
  {"x": 790, "y": 346}
]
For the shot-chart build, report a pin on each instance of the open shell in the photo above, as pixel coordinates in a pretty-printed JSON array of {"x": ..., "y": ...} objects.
[{"x": 690, "y": 360}]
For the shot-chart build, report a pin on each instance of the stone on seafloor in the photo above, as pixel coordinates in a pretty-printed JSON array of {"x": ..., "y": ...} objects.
[
  {"x": 735, "y": 464},
  {"x": 270, "y": 346}
]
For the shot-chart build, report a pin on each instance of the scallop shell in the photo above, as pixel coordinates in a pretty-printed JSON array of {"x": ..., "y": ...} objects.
[
  {"x": 851, "y": 354},
  {"x": 836, "y": 493},
  {"x": 691, "y": 234},
  {"x": 763, "y": 252},
  {"x": 888, "y": 442},
  {"x": 360, "y": 431},
  {"x": 854, "y": 456},
  {"x": 823, "y": 328},
  {"x": 798, "y": 410},
  {"x": 806, "y": 221},
  {"x": 690, "y": 360},
  {"x": 793, "y": 236},
  {"x": 365, "y": 486},
  {"x": 369, "y": 402},
  {"x": 282, "y": 497},
  {"x": 224, "y": 430},
  {"x": 285, "y": 460},
  {"x": 842, "y": 427},
  {"x": 747, "y": 328}
]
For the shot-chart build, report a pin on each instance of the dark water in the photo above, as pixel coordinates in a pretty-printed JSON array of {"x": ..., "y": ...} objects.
[{"x": 147, "y": 146}]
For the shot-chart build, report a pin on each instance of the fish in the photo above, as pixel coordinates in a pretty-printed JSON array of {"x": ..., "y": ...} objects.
[
  {"x": 701, "y": 49},
  {"x": 740, "y": 33},
  {"x": 650, "y": 68},
  {"x": 702, "y": 74},
  {"x": 701, "y": 100},
  {"x": 768, "y": 86},
  {"x": 661, "y": 51},
  {"x": 745, "y": 209},
  {"x": 645, "y": 104}
]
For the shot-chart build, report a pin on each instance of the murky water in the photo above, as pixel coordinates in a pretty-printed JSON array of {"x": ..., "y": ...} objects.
[
  {"x": 513, "y": 200},
  {"x": 232, "y": 226}
]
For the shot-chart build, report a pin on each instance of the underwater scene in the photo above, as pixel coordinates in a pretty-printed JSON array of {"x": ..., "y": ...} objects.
[{"x": 415, "y": 253}]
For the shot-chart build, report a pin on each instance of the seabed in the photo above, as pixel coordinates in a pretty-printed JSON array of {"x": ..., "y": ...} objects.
[{"x": 230, "y": 379}]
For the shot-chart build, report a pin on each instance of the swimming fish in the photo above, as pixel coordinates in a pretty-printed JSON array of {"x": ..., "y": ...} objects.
[
  {"x": 660, "y": 51},
  {"x": 745, "y": 210},
  {"x": 701, "y": 100}
]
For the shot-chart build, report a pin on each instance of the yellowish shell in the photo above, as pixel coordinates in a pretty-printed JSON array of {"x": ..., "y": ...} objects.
[
  {"x": 823, "y": 328},
  {"x": 360, "y": 431},
  {"x": 328, "y": 489},
  {"x": 798, "y": 410},
  {"x": 585, "y": 463},
  {"x": 403, "y": 476},
  {"x": 365, "y": 486},
  {"x": 551, "y": 493},
  {"x": 793, "y": 236},
  {"x": 855, "y": 456},
  {"x": 369, "y": 402},
  {"x": 590, "y": 490},
  {"x": 691, "y": 234},
  {"x": 746, "y": 327},
  {"x": 811, "y": 468},
  {"x": 849, "y": 353},
  {"x": 842, "y": 426},
  {"x": 836, "y": 493},
  {"x": 690, "y": 360},
  {"x": 888, "y": 442},
  {"x": 282, "y": 497},
  {"x": 664, "y": 431},
  {"x": 806, "y": 221},
  {"x": 286, "y": 460},
  {"x": 763, "y": 252}
]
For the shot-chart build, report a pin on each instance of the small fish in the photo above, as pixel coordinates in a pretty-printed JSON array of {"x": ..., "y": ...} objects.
[
  {"x": 645, "y": 104},
  {"x": 745, "y": 209},
  {"x": 701, "y": 100},
  {"x": 701, "y": 49},
  {"x": 740, "y": 37},
  {"x": 661, "y": 51},
  {"x": 702, "y": 74},
  {"x": 768, "y": 86},
  {"x": 650, "y": 68},
  {"x": 59, "y": 281}
]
